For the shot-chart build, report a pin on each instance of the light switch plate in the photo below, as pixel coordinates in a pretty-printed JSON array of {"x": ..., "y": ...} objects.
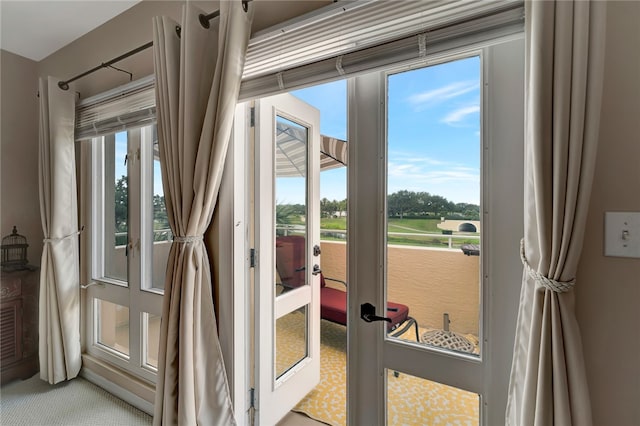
[{"x": 622, "y": 234}]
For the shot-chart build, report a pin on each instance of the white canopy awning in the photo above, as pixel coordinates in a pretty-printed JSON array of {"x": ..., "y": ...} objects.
[{"x": 291, "y": 148}]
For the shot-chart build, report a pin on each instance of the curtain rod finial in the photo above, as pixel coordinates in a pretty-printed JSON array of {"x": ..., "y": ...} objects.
[
  {"x": 63, "y": 85},
  {"x": 204, "y": 20}
]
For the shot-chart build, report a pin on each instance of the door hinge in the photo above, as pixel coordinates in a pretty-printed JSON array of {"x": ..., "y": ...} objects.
[
  {"x": 252, "y": 116},
  {"x": 252, "y": 258},
  {"x": 252, "y": 398}
]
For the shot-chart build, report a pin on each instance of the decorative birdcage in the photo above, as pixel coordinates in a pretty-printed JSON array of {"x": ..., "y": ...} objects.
[
  {"x": 447, "y": 339},
  {"x": 14, "y": 251}
]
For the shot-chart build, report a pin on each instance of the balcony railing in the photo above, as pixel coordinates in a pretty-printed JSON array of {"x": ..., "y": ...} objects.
[
  {"x": 420, "y": 239},
  {"x": 159, "y": 235}
]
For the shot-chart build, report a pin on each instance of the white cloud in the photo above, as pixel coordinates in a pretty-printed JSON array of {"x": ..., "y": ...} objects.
[
  {"x": 410, "y": 157},
  {"x": 426, "y": 160},
  {"x": 459, "y": 114},
  {"x": 443, "y": 93},
  {"x": 416, "y": 174}
]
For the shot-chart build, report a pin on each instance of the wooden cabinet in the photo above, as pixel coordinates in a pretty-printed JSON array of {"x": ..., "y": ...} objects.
[{"x": 18, "y": 324}]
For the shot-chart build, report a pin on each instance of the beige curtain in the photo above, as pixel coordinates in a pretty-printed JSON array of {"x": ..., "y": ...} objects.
[
  {"x": 564, "y": 70},
  {"x": 59, "y": 321},
  {"x": 197, "y": 84}
]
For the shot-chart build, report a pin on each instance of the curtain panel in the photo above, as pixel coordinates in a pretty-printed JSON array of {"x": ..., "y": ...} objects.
[
  {"x": 59, "y": 319},
  {"x": 563, "y": 78},
  {"x": 198, "y": 76}
]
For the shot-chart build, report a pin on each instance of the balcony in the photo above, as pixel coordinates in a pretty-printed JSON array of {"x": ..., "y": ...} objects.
[{"x": 433, "y": 279}]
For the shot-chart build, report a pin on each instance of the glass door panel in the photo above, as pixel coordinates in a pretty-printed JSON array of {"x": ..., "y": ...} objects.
[
  {"x": 291, "y": 341},
  {"x": 416, "y": 401},
  {"x": 112, "y": 326},
  {"x": 116, "y": 208},
  {"x": 433, "y": 203},
  {"x": 155, "y": 232},
  {"x": 291, "y": 147},
  {"x": 151, "y": 339}
]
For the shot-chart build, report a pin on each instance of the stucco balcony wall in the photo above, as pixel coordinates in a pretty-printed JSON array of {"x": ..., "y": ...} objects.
[{"x": 430, "y": 281}]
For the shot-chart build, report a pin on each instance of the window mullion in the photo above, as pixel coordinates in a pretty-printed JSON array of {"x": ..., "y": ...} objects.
[{"x": 135, "y": 246}]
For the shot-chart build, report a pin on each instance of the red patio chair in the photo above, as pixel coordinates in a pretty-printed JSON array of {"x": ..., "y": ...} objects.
[{"x": 290, "y": 264}]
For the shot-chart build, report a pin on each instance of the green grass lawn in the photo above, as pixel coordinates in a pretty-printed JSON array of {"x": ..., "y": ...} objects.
[
  {"x": 395, "y": 225},
  {"x": 415, "y": 225},
  {"x": 333, "y": 223},
  {"x": 406, "y": 226}
]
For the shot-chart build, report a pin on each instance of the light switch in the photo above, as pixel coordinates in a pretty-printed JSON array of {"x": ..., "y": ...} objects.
[{"x": 622, "y": 234}]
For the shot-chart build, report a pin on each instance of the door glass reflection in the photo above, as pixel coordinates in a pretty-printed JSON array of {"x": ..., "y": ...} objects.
[{"x": 291, "y": 204}]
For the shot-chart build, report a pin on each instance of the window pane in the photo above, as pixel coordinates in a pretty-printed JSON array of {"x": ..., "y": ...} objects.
[
  {"x": 113, "y": 326},
  {"x": 162, "y": 235},
  {"x": 151, "y": 339},
  {"x": 415, "y": 401},
  {"x": 116, "y": 207},
  {"x": 291, "y": 340},
  {"x": 291, "y": 204},
  {"x": 433, "y": 203}
]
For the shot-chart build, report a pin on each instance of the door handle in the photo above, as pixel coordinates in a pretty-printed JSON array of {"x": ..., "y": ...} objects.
[
  {"x": 368, "y": 313},
  {"x": 316, "y": 269}
]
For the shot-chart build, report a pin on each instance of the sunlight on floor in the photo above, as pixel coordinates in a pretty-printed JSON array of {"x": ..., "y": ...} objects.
[{"x": 412, "y": 400}]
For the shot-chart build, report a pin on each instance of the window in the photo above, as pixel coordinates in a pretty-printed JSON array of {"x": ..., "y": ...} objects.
[{"x": 130, "y": 243}]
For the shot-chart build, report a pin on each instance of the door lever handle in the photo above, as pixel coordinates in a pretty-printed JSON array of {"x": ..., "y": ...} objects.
[
  {"x": 316, "y": 270},
  {"x": 368, "y": 313}
]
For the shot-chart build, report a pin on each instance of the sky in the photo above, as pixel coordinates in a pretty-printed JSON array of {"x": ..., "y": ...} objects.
[
  {"x": 433, "y": 134},
  {"x": 433, "y": 130},
  {"x": 121, "y": 169}
]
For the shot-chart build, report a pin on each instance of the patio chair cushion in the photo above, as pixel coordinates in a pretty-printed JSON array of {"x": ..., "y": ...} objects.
[
  {"x": 290, "y": 261},
  {"x": 333, "y": 307}
]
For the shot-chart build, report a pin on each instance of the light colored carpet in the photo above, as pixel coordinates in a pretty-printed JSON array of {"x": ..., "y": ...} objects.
[
  {"x": 411, "y": 400},
  {"x": 33, "y": 402}
]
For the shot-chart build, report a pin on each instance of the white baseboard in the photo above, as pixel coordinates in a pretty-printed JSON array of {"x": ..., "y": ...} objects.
[{"x": 118, "y": 391}]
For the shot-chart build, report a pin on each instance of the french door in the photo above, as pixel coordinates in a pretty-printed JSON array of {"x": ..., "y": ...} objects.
[
  {"x": 469, "y": 362},
  {"x": 475, "y": 369},
  {"x": 287, "y": 240},
  {"x": 130, "y": 241}
]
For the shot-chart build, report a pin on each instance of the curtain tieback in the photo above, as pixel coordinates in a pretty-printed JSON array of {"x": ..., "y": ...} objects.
[
  {"x": 56, "y": 239},
  {"x": 187, "y": 239},
  {"x": 553, "y": 285}
]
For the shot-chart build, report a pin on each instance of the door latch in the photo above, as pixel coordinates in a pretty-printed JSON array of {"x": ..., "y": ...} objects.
[
  {"x": 368, "y": 313},
  {"x": 316, "y": 269}
]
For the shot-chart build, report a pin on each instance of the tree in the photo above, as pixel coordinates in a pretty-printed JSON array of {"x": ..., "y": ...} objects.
[
  {"x": 401, "y": 202},
  {"x": 468, "y": 211},
  {"x": 420, "y": 204},
  {"x": 121, "y": 204},
  {"x": 160, "y": 219}
]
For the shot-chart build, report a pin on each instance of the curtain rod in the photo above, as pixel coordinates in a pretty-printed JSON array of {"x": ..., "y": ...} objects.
[{"x": 204, "y": 21}]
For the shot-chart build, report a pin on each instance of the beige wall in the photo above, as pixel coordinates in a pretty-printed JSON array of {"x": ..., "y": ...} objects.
[
  {"x": 431, "y": 282},
  {"x": 608, "y": 288},
  {"x": 19, "y": 201}
]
